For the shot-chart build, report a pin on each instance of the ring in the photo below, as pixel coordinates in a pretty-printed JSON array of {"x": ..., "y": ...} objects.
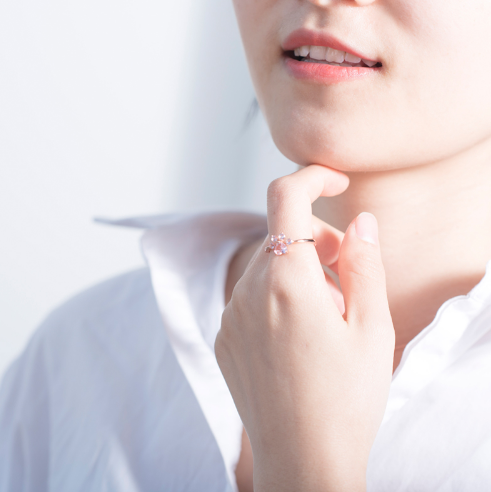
[{"x": 279, "y": 244}]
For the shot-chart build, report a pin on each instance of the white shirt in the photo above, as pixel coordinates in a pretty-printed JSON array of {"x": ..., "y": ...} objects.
[{"x": 119, "y": 389}]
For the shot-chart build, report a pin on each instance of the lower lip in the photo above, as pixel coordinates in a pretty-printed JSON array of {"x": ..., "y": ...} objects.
[{"x": 324, "y": 73}]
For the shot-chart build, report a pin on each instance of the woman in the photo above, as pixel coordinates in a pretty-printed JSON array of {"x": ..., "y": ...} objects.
[{"x": 120, "y": 389}]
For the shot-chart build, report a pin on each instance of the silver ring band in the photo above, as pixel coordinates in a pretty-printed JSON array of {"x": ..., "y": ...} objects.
[{"x": 304, "y": 241}]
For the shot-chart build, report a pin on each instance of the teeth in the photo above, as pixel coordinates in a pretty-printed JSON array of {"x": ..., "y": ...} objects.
[
  {"x": 318, "y": 52},
  {"x": 304, "y": 51},
  {"x": 352, "y": 58},
  {"x": 333, "y": 55}
]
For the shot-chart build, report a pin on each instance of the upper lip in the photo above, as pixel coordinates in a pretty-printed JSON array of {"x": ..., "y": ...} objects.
[{"x": 306, "y": 37}]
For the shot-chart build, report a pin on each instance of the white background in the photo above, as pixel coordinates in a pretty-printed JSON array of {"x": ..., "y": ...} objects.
[{"x": 113, "y": 109}]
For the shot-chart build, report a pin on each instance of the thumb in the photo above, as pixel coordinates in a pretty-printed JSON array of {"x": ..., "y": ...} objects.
[{"x": 362, "y": 274}]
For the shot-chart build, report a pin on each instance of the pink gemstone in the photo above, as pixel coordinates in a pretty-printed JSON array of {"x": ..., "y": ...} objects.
[{"x": 280, "y": 249}]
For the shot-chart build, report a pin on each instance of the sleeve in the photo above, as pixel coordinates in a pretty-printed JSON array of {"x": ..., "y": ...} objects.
[{"x": 25, "y": 422}]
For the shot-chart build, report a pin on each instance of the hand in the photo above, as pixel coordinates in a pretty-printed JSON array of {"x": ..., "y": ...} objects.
[{"x": 310, "y": 383}]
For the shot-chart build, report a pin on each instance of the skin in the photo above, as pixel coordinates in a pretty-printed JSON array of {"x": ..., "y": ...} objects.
[
  {"x": 310, "y": 382},
  {"x": 414, "y": 141}
]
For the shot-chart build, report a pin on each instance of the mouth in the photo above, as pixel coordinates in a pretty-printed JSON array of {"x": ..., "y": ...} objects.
[
  {"x": 324, "y": 56},
  {"x": 329, "y": 56}
]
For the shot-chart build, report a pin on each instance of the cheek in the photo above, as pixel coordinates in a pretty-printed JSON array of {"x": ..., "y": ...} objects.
[
  {"x": 258, "y": 22},
  {"x": 443, "y": 81}
]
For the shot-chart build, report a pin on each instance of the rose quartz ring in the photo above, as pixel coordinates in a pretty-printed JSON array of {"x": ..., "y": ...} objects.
[{"x": 279, "y": 244}]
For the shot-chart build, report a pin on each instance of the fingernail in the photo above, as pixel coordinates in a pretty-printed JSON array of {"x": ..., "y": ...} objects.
[{"x": 366, "y": 227}]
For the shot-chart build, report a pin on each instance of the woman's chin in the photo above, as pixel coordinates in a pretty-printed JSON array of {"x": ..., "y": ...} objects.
[{"x": 339, "y": 157}]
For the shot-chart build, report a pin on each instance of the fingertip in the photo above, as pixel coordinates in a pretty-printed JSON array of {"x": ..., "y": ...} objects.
[
  {"x": 366, "y": 228},
  {"x": 344, "y": 179},
  {"x": 337, "y": 183}
]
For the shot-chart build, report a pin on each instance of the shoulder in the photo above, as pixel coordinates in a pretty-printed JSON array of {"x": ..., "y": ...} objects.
[
  {"x": 119, "y": 293},
  {"x": 95, "y": 377},
  {"x": 84, "y": 346},
  {"x": 108, "y": 310},
  {"x": 106, "y": 313}
]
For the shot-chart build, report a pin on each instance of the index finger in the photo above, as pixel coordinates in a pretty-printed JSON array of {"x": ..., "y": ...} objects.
[{"x": 290, "y": 198}]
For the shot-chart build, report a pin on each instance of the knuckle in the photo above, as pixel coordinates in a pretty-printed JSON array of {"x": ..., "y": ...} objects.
[
  {"x": 222, "y": 345},
  {"x": 278, "y": 283},
  {"x": 279, "y": 299},
  {"x": 367, "y": 267},
  {"x": 218, "y": 346},
  {"x": 227, "y": 322},
  {"x": 221, "y": 351}
]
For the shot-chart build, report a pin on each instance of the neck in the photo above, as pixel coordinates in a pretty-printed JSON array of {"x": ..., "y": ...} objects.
[{"x": 434, "y": 229}]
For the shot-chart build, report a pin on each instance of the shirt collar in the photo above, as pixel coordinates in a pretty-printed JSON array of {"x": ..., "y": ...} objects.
[{"x": 188, "y": 257}]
